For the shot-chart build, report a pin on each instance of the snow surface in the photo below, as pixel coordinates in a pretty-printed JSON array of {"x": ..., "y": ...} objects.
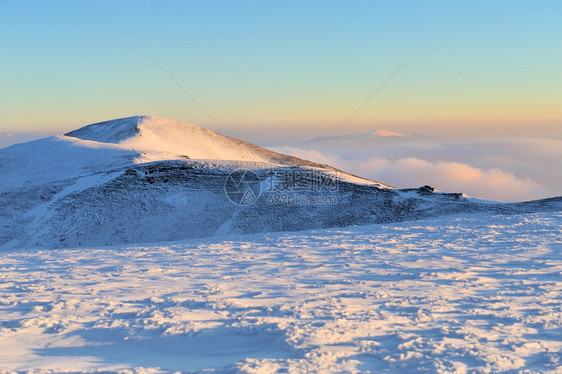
[
  {"x": 477, "y": 293},
  {"x": 458, "y": 293},
  {"x": 125, "y": 142}
]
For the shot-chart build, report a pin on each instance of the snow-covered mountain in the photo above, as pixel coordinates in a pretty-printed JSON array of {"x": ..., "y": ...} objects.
[
  {"x": 157, "y": 139},
  {"x": 148, "y": 179},
  {"x": 119, "y": 143}
]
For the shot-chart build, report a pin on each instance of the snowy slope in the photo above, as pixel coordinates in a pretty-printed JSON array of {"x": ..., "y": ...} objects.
[
  {"x": 125, "y": 142},
  {"x": 461, "y": 294},
  {"x": 58, "y": 158},
  {"x": 158, "y": 138},
  {"x": 149, "y": 179}
]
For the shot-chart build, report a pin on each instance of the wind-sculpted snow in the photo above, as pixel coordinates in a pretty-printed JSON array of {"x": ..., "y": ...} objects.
[
  {"x": 158, "y": 139},
  {"x": 457, "y": 294}
]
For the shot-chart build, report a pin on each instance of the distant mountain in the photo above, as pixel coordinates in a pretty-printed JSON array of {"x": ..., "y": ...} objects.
[
  {"x": 361, "y": 141},
  {"x": 149, "y": 179}
]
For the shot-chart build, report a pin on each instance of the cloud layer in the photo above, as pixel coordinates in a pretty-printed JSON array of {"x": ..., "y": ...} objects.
[{"x": 507, "y": 169}]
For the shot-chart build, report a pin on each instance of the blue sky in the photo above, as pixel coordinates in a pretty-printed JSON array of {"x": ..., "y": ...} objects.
[{"x": 271, "y": 64}]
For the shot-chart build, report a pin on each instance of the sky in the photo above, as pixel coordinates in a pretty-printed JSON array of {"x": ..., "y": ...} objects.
[
  {"x": 477, "y": 85},
  {"x": 477, "y": 68}
]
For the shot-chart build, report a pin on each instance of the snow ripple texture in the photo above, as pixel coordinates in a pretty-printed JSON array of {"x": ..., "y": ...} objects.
[{"x": 456, "y": 294}]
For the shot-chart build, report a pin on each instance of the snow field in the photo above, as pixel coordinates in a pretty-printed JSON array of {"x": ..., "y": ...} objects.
[{"x": 454, "y": 294}]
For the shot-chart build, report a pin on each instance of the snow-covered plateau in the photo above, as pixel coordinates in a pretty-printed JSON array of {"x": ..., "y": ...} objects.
[
  {"x": 150, "y": 245},
  {"x": 456, "y": 294}
]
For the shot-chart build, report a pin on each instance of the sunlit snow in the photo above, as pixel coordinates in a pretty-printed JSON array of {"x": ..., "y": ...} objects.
[{"x": 456, "y": 294}]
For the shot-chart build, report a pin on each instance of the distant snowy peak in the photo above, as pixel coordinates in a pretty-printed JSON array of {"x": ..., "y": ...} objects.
[
  {"x": 376, "y": 135},
  {"x": 386, "y": 133},
  {"x": 367, "y": 139}
]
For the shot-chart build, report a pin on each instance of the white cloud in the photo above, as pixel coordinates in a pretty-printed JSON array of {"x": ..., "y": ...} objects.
[
  {"x": 492, "y": 184},
  {"x": 451, "y": 176}
]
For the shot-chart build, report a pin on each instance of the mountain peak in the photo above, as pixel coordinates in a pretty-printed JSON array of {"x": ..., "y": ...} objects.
[
  {"x": 119, "y": 130},
  {"x": 113, "y": 131},
  {"x": 387, "y": 133},
  {"x": 118, "y": 143},
  {"x": 155, "y": 138},
  {"x": 160, "y": 137}
]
